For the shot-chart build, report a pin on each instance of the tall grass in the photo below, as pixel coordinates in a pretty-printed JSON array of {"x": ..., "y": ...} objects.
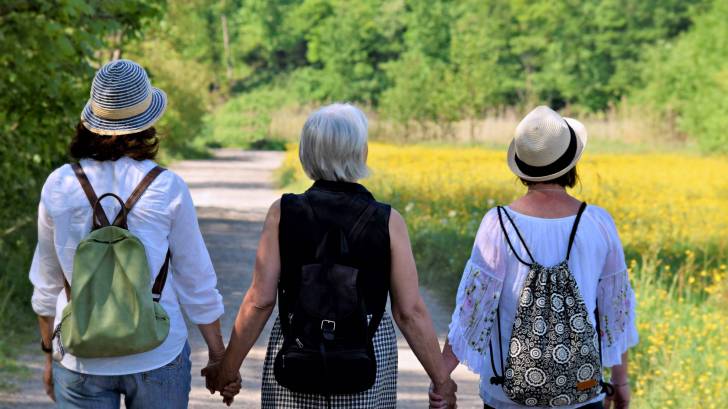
[
  {"x": 256, "y": 116},
  {"x": 273, "y": 113}
]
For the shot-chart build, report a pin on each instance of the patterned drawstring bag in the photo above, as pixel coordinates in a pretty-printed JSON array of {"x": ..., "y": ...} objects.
[{"x": 554, "y": 354}]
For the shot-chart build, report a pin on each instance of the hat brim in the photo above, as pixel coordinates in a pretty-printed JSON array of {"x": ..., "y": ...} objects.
[
  {"x": 130, "y": 125},
  {"x": 581, "y": 138}
]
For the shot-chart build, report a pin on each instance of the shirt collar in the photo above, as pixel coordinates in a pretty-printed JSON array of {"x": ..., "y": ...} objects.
[{"x": 339, "y": 186}]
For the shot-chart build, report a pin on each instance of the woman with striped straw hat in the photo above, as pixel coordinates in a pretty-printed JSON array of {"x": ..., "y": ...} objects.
[{"x": 114, "y": 149}]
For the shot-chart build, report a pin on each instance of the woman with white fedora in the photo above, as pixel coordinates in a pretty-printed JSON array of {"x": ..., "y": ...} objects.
[
  {"x": 541, "y": 270},
  {"x": 113, "y": 150}
]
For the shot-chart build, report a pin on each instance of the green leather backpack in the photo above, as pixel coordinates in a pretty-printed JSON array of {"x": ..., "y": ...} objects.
[{"x": 112, "y": 311}]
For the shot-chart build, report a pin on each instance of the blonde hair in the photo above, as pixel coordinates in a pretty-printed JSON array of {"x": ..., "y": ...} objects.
[{"x": 333, "y": 144}]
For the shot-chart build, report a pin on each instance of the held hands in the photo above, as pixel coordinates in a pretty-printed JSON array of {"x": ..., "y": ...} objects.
[
  {"x": 442, "y": 395},
  {"x": 216, "y": 379}
]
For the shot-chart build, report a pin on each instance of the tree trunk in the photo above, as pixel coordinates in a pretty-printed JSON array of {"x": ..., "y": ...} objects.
[
  {"x": 226, "y": 46},
  {"x": 116, "y": 52}
]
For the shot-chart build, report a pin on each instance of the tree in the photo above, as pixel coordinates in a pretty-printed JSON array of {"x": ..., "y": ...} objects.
[{"x": 688, "y": 79}]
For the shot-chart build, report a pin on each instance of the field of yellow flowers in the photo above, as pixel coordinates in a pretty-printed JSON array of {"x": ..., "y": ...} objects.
[{"x": 672, "y": 214}]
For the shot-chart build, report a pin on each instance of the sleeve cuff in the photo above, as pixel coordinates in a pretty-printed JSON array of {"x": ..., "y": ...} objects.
[
  {"x": 204, "y": 314},
  {"x": 43, "y": 305}
]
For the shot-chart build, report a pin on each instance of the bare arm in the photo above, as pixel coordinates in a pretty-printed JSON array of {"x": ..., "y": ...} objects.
[
  {"x": 620, "y": 373},
  {"x": 408, "y": 308},
  {"x": 620, "y": 381},
  {"x": 213, "y": 338},
  {"x": 45, "y": 325},
  {"x": 259, "y": 301},
  {"x": 451, "y": 361}
]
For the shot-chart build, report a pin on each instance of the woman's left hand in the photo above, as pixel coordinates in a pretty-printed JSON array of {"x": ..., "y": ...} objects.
[
  {"x": 620, "y": 399},
  {"x": 443, "y": 397},
  {"x": 436, "y": 401},
  {"x": 230, "y": 390}
]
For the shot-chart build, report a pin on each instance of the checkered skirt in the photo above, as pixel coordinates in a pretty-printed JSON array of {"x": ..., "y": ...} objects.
[{"x": 382, "y": 395}]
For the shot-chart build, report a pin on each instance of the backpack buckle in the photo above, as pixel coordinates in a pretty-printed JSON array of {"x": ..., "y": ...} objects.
[{"x": 328, "y": 327}]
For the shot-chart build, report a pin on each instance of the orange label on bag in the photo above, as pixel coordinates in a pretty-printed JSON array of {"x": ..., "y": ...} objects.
[{"x": 588, "y": 384}]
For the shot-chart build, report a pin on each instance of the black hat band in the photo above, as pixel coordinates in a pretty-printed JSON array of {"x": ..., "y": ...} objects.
[{"x": 554, "y": 167}]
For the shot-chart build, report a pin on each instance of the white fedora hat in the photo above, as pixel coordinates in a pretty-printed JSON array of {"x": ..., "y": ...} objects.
[
  {"x": 546, "y": 145},
  {"x": 123, "y": 100}
]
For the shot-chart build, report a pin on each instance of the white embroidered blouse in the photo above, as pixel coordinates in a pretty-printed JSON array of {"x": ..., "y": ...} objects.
[{"x": 494, "y": 277}]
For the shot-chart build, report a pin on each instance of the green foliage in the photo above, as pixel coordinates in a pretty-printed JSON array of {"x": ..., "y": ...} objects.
[
  {"x": 244, "y": 120},
  {"x": 424, "y": 91},
  {"x": 687, "y": 81},
  {"x": 349, "y": 46},
  {"x": 46, "y": 49},
  {"x": 436, "y": 62},
  {"x": 179, "y": 63},
  {"x": 504, "y": 53},
  {"x": 339, "y": 44}
]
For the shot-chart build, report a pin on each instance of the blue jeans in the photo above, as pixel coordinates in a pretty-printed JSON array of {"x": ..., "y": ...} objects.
[{"x": 165, "y": 387}]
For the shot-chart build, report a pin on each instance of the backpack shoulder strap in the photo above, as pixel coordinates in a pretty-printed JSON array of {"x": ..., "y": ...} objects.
[
  {"x": 572, "y": 236},
  {"x": 358, "y": 228},
  {"x": 139, "y": 191},
  {"x": 505, "y": 233},
  {"x": 354, "y": 234},
  {"x": 89, "y": 191},
  {"x": 161, "y": 279}
]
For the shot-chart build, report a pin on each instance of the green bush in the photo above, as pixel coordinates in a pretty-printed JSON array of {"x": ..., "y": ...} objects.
[
  {"x": 687, "y": 81},
  {"x": 185, "y": 82},
  {"x": 244, "y": 121}
]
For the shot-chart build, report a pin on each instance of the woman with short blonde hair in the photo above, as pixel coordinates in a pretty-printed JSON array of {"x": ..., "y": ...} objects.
[{"x": 333, "y": 255}]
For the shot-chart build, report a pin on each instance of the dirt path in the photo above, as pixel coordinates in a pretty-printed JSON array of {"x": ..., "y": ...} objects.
[{"x": 232, "y": 193}]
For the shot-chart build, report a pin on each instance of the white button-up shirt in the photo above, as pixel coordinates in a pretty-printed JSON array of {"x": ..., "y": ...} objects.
[{"x": 163, "y": 218}]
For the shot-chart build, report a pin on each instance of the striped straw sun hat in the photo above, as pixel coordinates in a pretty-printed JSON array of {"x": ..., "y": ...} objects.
[
  {"x": 123, "y": 100},
  {"x": 546, "y": 145}
]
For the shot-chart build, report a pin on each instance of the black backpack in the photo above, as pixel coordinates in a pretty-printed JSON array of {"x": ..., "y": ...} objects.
[{"x": 327, "y": 338}]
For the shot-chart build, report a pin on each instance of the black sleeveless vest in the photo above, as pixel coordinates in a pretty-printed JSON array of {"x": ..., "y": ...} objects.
[{"x": 335, "y": 204}]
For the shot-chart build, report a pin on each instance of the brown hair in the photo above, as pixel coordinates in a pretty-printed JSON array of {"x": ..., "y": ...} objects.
[
  {"x": 140, "y": 145},
  {"x": 568, "y": 179}
]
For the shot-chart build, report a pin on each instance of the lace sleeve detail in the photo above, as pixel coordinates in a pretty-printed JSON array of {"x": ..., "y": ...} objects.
[
  {"x": 475, "y": 311},
  {"x": 616, "y": 302}
]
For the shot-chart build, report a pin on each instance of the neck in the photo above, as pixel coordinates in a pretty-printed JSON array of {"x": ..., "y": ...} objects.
[{"x": 546, "y": 187}]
